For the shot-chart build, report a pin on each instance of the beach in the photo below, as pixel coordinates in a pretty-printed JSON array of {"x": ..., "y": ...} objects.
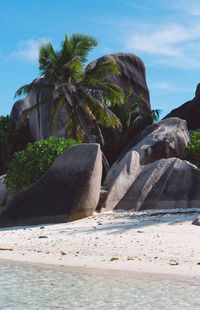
[{"x": 159, "y": 242}]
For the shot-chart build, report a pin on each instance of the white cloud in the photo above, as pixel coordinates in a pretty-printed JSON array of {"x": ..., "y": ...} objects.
[
  {"x": 168, "y": 40},
  {"x": 172, "y": 44},
  {"x": 169, "y": 33},
  {"x": 162, "y": 86},
  {"x": 28, "y": 50},
  {"x": 169, "y": 87}
]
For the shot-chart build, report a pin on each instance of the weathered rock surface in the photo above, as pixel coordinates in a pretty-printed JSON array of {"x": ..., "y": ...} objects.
[
  {"x": 5, "y": 196},
  {"x": 68, "y": 191},
  {"x": 164, "y": 184},
  {"x": 38, "y": 122},
  {"x": 19, "y": 106},
  {"x": 40, "y": 119},
  {"x": 16, "y": 113},
  {"x": 165, "y": 139},
  {"x": 133, "y": 75},
  {"x": 196, "y": 221},
  {"x": 120, "y": 178},
  {"x": 189, "y": 111}
]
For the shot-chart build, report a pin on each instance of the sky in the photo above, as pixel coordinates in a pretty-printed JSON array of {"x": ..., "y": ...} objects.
[{"x": 165, "y": 34}]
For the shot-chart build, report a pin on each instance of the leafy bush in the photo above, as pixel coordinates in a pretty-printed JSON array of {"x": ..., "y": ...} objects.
[
  {"x": 193, "y": 150},
  {"x": 10, "y": 141},
  {"x": 28, "y": 165}
]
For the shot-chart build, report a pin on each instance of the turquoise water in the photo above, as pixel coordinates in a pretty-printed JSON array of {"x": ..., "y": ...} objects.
[{"x": 27, "y": 287}]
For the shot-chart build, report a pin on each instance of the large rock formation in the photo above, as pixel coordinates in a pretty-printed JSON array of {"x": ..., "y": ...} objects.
[
  {"x": 40, "y": 121},
  {"x": 141, "y": 177},
  {"x": 165, "y": 139},
  {"x": 16, "y": 113},
  {"x": 190, "y": 111},
  {"x": 119, "y": 179},
  {"x": 68, "y": 191},
  {"x": 132, "y": 75},
  {"x": 164, "y": 184},
  {"x": 19, "y": 106}
]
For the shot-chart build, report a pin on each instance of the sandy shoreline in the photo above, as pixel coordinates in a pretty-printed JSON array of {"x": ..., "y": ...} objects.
[{"x": 153, "y": 242}]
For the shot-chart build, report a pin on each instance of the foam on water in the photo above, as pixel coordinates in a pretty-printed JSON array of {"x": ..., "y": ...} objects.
[{"x": 28, "y": 287}]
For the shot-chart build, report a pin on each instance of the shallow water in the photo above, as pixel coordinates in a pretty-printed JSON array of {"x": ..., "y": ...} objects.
[{"x": 31, "y": 287}]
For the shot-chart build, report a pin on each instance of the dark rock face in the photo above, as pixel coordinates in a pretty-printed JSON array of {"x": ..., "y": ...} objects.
[
  {"x": 19, "y": 106},
  {"x": 164, "y": 184},
  {"x": 16, "y": 112},
  {"x": 38, "y": 123},
  {"x": 189, "y": 111},
  {"x": 196, "y": 221},
  {"x": 68, "y": 191},
  {"x": 165, "y": 139},
  {"x": 133, "y": 75},
  {"x": 40, "y": 119}
]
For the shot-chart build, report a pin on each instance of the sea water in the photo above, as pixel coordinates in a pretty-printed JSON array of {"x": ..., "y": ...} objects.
[{"x": 29, "y": 287}]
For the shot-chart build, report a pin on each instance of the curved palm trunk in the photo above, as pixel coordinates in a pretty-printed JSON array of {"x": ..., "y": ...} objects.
[
  {"x": 92, "y": 139},
  {"x": 84, "y": 127}
]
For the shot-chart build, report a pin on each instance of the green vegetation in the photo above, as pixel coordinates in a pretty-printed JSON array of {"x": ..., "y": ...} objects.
[
  {"x": 193, "y": 150},
  {"x": 10, "y": 141},
  {"x": 127, "y": 112},
  {"x": 28, "y": 165},
  {"x": 86, "y": 98},
  {"x": 133, "y": 122}
]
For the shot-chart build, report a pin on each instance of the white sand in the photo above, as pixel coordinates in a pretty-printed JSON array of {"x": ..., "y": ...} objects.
[{"x": 151, "y": 242}]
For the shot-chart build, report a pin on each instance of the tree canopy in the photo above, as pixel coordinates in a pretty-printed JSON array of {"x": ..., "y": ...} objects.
[{"x": 83, "y": 93}]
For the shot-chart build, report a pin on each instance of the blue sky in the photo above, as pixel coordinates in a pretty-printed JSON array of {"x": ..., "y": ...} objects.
[{"x": 165, "y": 34}]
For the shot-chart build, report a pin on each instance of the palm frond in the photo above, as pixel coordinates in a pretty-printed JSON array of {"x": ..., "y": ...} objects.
[
  {"x": 23, "y": 90},
  {"x": 65, "y": 53},
  {"x": 49, "y": 62},
  {"x": 100, "y": 72},
  {"x": 81, "y": 45},
  {"x": 76, "y": 69},
  {"x": 26, "y": 89},
  {"x": 127, "y": 95},
  {"x": 103, "y": 115},
  {"x": 111, "y": 92},
  {"x": 94, "y": 122},
  {"x": 134, "y": 108}
]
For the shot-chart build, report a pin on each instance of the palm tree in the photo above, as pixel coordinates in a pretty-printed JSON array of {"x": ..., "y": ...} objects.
[{"x": 82, "y": 92}]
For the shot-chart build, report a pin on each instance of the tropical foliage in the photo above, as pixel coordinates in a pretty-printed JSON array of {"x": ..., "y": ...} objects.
[
  {"x": 82, "y": 92},
  {"x": 133, "y": 122},
  {"x": 28, "y": 165},
  {"x": 193, "y": 150}
]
